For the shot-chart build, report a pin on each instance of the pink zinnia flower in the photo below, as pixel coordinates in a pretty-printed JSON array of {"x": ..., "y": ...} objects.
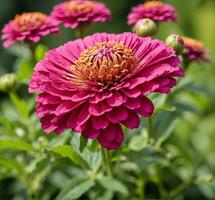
[
  {"x": 97, "y": 84},
  {"x": 194, "y": 50},
  {"x": 155, "y": 10},
  {"x": 28, "y": 27},
  {"x": 75, "y": 12}
]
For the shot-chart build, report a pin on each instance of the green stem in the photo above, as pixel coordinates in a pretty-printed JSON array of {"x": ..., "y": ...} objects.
[
  {"x": 150, "y": 127},
  {"x": 32, "y": 49},
  {"x": 107, "y": 161},
  {"x": 80, "y": 32},
  {"x": 179, "y": 189}
]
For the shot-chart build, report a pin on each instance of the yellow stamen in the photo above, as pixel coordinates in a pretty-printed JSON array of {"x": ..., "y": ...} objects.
[
  {"x": 104, "y": 63},
  {"x": 26, "y": 21},
  {"x": 193, "y": 43},
  {"x": 152, "y": 4},
  {"x": 76, "y": 7}
]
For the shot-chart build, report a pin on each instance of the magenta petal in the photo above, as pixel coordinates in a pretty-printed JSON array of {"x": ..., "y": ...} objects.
[
  {"x": 119, "y": 134},
  {"x": 117, "y": 115},
  {"x": 132, "y": 121},
  {"x": 80, "y": 96},
  {"x": 46, "y": 123},
  {"x": 83, "y": 114},
  {"x": 132, "y": 103},
  {"x": 111, "y": 137},
  {"x": 65, "y": 107},
  {"x": 100, "y": 122},
  {"x": 116, "y": 99},
  {"x": 46, "y": 98},
  {"x": 90, "y": 132},
  {"x": 99, "y": 108},
  {"x": 134, "y": 93},
  {"x": 100, "y": 97},
  {"x": 146, "y": 108}
]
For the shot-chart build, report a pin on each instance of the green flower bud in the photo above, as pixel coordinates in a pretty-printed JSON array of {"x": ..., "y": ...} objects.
[
  {"x": 176, "y": 42},
  {"x": 8, "y": 82},
  {"x": 145, "y": 27}
]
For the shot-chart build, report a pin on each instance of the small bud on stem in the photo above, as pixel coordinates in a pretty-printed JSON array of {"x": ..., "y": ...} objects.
[
  {"x": 145, "y": 27},
  {"x": 8, "y": 82},
  {"x": 176, "y": 42}
]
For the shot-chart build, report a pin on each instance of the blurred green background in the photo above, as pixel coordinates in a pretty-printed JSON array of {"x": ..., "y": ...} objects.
[{"x": 196, "y": 132}]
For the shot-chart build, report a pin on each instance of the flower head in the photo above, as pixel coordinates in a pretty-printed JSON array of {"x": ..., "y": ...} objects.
[
  {"x": 155, "y": 10},
  {"x": 97, "y": 84},
  {"x": 75, "y": 12},
  {"x": 28, "y": 27},
  {"x": 194, "y": 50}
]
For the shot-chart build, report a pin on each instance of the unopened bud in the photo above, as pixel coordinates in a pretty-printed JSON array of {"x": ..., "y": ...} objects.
[
  {"x": 145, "y": 27},
  {"x": 8, "y": 82},
  {"x": 176, "y": 42}
]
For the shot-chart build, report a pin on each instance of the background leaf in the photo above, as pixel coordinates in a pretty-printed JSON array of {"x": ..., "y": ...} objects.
[
  {"x": 68, "y": 152},
  {"x": 76, "y": 188}
]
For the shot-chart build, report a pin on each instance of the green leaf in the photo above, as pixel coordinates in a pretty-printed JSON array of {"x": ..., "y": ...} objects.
[
  {"x": 15, "y": 144},
  {"x": 57, "y": 178},
  {"x": 113, "y": 185},
  {"x": 40, "y": 52},
  {"x": 68, "y": 152},
  {"x": 93, "y": 146},
  {"x": 164, "y": 125},
  {"x": 20, "y": 51},
  {"x": 166, "y": 107},
  {"x": 76, "y": 188},
  {"x": 8, "y": 126},
  {"x": 83, "y": 143},
  {"x": 26, "y": 67},
  {"x": 20, "y": 105},
  {"x": 94, "y": 159},
  {"x": 107, "y": 195},
  {"x": 138, "y": 142},
  {"x": 167, "y": 132},
  {"x": 60, "y": 140},
  {"x": 11, "y": 164}
]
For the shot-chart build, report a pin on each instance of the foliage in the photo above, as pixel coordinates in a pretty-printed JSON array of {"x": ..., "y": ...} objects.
[{"x": 175, "y": 162}]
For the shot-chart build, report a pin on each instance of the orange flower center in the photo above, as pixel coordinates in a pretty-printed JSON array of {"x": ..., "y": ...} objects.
[
  {"x": 104, "y": 63},
  {"x": 193, "y": 43},
  {"x": 27, "y": 21},
  {"x": 76, "y": 7},
  {"x": 152, "y": 4}
]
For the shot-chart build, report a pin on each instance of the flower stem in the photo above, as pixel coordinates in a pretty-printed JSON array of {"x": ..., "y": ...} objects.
[
  {"x": 32, "y": 49},
  {"x": 107, "y": 161},
  {"x": 150, "y": 127}
]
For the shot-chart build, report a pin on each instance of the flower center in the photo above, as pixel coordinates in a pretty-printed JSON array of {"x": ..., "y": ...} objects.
[
  {"x": 105, "y": 63},
  {"x": 76, "y": 7},
  {"x": 27, "y": 21},
  {"x": 193, "y": 43},
  {"x": 153, "y": 4}
]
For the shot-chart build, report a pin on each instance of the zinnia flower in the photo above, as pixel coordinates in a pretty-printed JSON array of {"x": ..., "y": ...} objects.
[
  {"x": 155, "y": 10},
  {"x": 76, "y": 12},
  {"x": 28, "y": 27},
  {"x": 97, "y": 84},
  {"x": 194, "y": 50}
]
